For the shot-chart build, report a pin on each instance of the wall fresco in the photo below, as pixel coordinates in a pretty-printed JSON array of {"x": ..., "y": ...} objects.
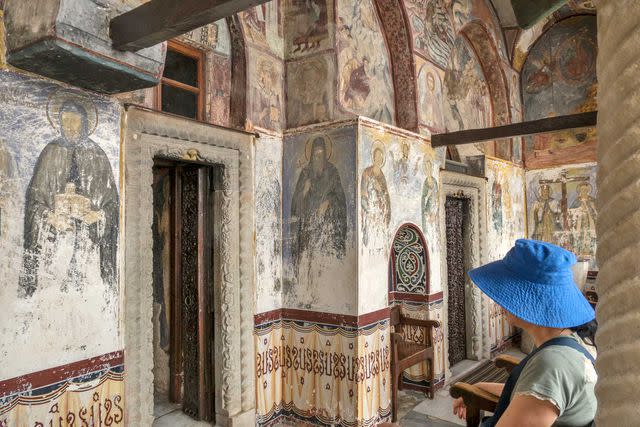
[
  {"x": 467, "y": 102},
  {"x": 506, "y": 211},
  {"x": 61, "y": 148},
  {"x": 467, "y": 11},
  {"x": 430, "y": 111},
  {"x": 561, "y": 208},
  {"x": 433, "y": 30},
  {"x": 266, "y": 95},
  {"x": 365, "y": 84},
  {"x": 311, "y": 90},
  {"x": 307, "y": 26},
  {"x": 319, "y": 219},
  {"x": 401, "y": 159},
  {"x": 322, "y": 373},
  {"x": 262, "y": 26},
  {"x": 94, "y": 395},
  {"x": 559, "y": 78},
  {"x": 268, "y": 217}
]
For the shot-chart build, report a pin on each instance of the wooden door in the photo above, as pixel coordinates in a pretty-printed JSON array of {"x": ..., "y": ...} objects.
[
  {"x": 191, "y": 294},
  {"x": 455, "y": 212}
]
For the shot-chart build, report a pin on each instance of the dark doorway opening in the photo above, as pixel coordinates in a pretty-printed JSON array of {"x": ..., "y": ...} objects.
[
  {"x": 184, "y": 260},
  {"x": 456, "y": 216}
]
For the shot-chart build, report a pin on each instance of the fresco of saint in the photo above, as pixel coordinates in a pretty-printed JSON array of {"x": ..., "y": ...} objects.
[
  {"x": 71, "y": 202},
  {"x": 318, "y": 209},
  {"x": 430, "y": 198},
  {"x": 266, "y": 97},
  {"x": 375, "y": 202},
  {"x": 546, "y": 215},
  {"x": 584, "y": 221},
  {"x": 435, "y": 34}
]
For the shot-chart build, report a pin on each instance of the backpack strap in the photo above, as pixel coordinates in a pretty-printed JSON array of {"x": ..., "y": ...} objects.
[{"x": 509, "y": 386}]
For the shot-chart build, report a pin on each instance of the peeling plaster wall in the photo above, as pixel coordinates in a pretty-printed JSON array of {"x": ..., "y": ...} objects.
[
  {"x": 84, "y": 322},
  {"x": 319, "y": 219},
  {"x": 268, "y": 218}
]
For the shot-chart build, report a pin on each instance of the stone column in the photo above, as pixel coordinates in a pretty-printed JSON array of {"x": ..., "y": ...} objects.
[{"x": 619, "y": 212}]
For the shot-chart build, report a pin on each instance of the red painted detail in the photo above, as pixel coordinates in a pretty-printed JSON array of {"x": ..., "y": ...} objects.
[
  {"x": 50, "y": 376},
  {"x": 320, "y": 317},
  {"x": 406, "y": 296}
]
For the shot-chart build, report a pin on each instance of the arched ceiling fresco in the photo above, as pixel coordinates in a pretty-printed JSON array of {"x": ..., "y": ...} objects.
[
  {"x": 466, "y": 98},
  {"x": 559, "y": 78}
]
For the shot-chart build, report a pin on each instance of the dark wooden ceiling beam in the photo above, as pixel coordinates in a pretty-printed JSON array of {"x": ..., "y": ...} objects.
[
  {"x": 160, "y": 20},
  {"x": 552, "y": 124}
]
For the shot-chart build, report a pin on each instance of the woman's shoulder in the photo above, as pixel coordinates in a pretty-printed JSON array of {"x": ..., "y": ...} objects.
[{"x": 561, "y": 360}]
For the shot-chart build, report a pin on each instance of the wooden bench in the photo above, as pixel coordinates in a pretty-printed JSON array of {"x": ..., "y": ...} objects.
[
  {"x": 477, "y": 400},
  {"x": 405, "y": 353}
]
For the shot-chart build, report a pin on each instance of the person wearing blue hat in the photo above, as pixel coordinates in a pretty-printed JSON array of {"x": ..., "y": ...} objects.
[{"x": 554, "y": 384}]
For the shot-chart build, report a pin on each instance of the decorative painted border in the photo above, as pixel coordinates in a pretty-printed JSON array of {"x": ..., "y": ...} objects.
[
  {"x": 49, "y": 380},
  {"x": 409, "y": 297},
  {"x": 289, "y": 413},
  {"x": 329, "y": 319}
]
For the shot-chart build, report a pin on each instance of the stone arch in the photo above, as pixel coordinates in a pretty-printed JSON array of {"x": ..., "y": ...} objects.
[
  {"x": 482, "y": 43},
  {"x": 409, "y": 264},
  {"x": 526, "y": 39},
  {"x": 238, "y": 101},
  {"x": 397, "y": 33}
]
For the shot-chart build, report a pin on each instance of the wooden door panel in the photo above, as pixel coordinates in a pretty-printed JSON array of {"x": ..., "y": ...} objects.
[{"x": 454, "y": 211}]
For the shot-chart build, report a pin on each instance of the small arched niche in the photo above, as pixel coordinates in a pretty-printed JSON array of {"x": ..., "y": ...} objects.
[{"x": 408, "y": 265}]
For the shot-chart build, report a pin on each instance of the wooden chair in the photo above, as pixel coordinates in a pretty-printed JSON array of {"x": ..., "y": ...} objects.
[
  {"x": 405, "y": 354},
  {"x": 478, "y": 400}
]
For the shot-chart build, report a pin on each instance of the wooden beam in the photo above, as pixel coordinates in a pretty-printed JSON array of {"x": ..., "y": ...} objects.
[
  {"x": 552, "y": 124},
  {"x": 160, "y": 20}
]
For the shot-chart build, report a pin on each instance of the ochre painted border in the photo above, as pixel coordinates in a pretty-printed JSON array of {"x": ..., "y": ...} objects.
[{"x": 55, "y": 375}]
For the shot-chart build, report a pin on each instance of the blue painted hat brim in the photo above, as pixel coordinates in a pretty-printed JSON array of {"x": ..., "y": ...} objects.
[{"x": 555, "y": 305}]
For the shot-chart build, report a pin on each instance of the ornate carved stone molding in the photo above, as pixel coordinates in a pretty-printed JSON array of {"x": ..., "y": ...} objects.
[
  {"x": 473, "y": 189},
  {"x": 149, "y": 135}
]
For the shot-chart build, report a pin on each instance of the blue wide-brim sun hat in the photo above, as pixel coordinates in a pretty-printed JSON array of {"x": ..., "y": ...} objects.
[{"x": 534, "y": 282}]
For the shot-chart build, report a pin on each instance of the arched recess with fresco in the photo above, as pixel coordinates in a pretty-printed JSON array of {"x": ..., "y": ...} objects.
[
  {"x": 408, "y": 265},
  {"x": 486, "y": 52}
]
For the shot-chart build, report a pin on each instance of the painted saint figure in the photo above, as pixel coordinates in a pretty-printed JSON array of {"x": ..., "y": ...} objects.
[
  {"x": 584, "y": 221},
  {"x": 318, "y": 210},
  {"x": 266, "y": 98},
  {"x": 546, "y": 215},
  {"x": 72, "y": 206},
  {"x": 375, "y": 202},
  {"x": 358, "y": 85},
  {"x": 430, "y": 197}
]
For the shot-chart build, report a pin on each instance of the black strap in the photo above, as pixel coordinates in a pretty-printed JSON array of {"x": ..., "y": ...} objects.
[{"x": 509, "y": 386}]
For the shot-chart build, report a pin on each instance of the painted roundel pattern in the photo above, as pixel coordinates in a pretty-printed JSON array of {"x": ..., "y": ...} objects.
[{"x": 409, "y": 261}]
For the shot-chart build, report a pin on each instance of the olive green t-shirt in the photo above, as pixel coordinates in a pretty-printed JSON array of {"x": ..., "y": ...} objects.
[{"x": 566, "y": 378}]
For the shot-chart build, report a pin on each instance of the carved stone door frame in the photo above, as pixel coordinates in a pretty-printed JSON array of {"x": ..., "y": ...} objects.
[
  {"x": 148, "y": 135},
  {"x": 475, "y": 234}
]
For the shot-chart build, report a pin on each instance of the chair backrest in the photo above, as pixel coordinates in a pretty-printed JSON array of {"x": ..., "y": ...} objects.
[{"x": 395, "y": 316}]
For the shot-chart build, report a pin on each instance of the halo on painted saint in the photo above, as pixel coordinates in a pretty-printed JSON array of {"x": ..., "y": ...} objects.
[
  {"x": 328, "y": 143},
  {"x": 59, "y": 97}
]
